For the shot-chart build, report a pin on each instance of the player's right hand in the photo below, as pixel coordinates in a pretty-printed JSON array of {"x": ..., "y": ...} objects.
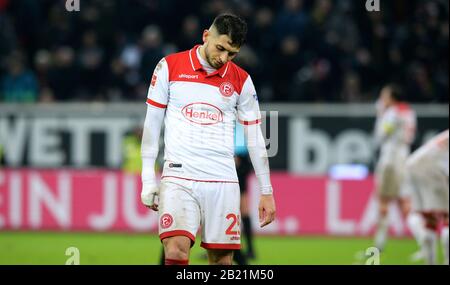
[
  {"x": 149, "y": 196},
  {"x": 266, "y": 210}
]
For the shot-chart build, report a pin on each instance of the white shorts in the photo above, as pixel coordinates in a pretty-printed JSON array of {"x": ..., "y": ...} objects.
[
  {"x": 185, "y": 206},
  {"x": 389, "y": 179},
  {"x": 389, "y": 173}
]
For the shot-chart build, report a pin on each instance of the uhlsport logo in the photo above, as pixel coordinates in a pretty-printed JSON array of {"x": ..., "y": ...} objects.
[
  {"x": 226, "y": 89},
  {"x": 166, "y": 221},
  {"x": 202, "y": 113},
  {"x": 188, "y": 76}
]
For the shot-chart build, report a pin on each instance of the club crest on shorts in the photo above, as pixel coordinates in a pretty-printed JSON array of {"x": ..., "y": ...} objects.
[
  {"x": 166, "y": 221},
  {"x": 226, "y": 89}
]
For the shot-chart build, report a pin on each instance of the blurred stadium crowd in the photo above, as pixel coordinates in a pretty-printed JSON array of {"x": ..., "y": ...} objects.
[{"x": 296, "y": 50}]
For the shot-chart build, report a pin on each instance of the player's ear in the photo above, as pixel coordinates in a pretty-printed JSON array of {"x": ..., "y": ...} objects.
[{"x": 205, "y": 35}]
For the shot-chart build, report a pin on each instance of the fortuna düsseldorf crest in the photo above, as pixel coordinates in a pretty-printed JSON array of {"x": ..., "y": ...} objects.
[{"x": 227, "y": 89}]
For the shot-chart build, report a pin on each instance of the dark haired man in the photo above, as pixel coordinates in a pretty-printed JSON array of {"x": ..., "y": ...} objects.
[{"x": 200, "y": 93}]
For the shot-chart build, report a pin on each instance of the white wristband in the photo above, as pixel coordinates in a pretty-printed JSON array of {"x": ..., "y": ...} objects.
[{"x": 266, "y": 190}]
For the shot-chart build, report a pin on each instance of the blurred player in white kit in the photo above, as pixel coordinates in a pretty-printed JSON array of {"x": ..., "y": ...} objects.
[
  {"x": 394, "y": 133},
  {"x": 200, "y": 93},
  {"x": 427, "y": 183}
]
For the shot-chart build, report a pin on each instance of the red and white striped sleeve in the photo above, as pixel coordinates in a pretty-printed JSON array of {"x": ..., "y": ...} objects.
[
  {"x": 158, "y": 91},
  {"x": 248, "y": 106}
]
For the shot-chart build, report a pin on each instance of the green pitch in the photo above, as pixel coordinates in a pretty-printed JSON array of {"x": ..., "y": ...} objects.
[{"x": 114, "y": 248}]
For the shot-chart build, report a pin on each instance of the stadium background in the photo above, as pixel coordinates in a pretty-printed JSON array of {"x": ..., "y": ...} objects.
[{"x": 72, "y": 87}]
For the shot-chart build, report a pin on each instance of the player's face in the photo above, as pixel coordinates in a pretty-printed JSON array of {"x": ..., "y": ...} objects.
[
  {"x": 385, "y": 97},
  {"x": 218, "y": 48}
]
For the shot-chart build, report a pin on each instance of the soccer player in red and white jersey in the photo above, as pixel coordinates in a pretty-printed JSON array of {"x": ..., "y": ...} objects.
[
  {"x": 200, "y": 93},
  {"x": 394, "y": 132},
  {"x": 427, "y": 174}
]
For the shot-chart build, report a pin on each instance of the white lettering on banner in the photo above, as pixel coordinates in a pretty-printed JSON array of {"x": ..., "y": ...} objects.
[
  {"x": 133, "y": 219},
  {"x": 334, "y": 224},
  {"x": 13, "y": 139},
  {"x": 302, "y": 141},
  {"x": 113, "y": 203},
  {"x": 110, "y": 205},
  {"x": 45, "y": 148},
  {"x": 353, "y": 146},
  {"x": 291, "y": 225},
  {"x": 114, "y": 128},
  {"x": 80, "y": 147},
  {"x": 113, "y": 147},
  {"x": 369, "y": 217},
  {"x": 44, "y": 141},
  {"x": 350, "y": 146},
  {"x": 40, "y": 195},
  {"x": 311, "y": 150},
  {"x": 15, "y": 200}
]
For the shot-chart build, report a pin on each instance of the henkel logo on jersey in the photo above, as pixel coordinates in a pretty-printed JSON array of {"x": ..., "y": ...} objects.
[{"x": 202, "y": 113}]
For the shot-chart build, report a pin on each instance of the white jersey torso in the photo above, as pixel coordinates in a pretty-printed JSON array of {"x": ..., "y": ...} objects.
[{"x": 202, "y": 109}]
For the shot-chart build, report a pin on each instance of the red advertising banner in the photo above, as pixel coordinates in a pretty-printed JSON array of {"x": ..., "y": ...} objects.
[
  {"x": 86, "y": 200},
  {"x": 101, "y": 200},
  {"x": 324, "y": 206}
]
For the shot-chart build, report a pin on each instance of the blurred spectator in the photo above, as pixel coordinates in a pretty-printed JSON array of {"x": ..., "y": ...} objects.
[
  {"x": 63, "y": 75},
  {"x": 152, "y": 50},
  {"x": 8, "y": 39},
  {"x": 91, "y": 67},
  {"x": 289, "y": 61},
  {"x": 261, "y": 33},
  {"x": 19, "y": 85},
  {"x": 42, "y": 64},
  {"x": 420, "y": 87},
  {"x": 351, "y": 92},
  {"x": 291, "y": 20},
  {"x": 190, "y": 33},
  {"x": 59, "y": 29},
  {"x": 297, "y": 50}
]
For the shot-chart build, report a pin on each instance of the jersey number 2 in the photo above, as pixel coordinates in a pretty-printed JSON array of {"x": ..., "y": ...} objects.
[{"x": 234, "y": 220}]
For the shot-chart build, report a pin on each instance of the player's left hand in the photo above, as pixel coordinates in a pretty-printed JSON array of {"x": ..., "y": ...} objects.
[
  {"x": 149, "y": 196},
  {"x": 266, "y": 210}
]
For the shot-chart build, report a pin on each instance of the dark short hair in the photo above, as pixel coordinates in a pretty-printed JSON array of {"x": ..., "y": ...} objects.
[
  {"x": 232, "y": 26},
  {"x": 396, "y": 92}
]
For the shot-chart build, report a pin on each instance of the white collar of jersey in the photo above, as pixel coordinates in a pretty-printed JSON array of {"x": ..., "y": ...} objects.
[
  {"x": 206, "y": 67},
  {"x": 196, "y": 65}
]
